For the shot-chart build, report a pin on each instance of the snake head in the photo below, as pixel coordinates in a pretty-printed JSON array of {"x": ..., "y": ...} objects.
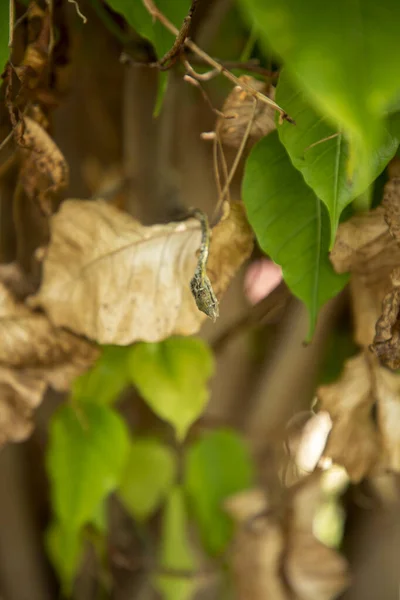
[{"x": 204, "y": 296}]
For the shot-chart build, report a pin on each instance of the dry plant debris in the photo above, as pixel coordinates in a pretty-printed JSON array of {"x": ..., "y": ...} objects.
[
  {"x": 44, "y": 172},
  {"x": 115, "y": 281},
  {"x": 34, "y": 355},
  {"x": 240, "y": 109},
  {"x": 363, "y": 405},
  {"x": 275, "y": 554}
]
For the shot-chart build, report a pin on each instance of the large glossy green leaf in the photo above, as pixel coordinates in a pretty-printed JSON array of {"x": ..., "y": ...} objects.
[
  {"x": 104, "y": 382},
  {"x": 141, "y": 21},
  {"x": 172, "y": 377},
  {"x": 290, "y": 223},
  {"x": 148, "y": 476},
  {"x": 86, "y": 455},
  {"x": 216, "y": 466},
  {"x": 344, "y": 56},
  {"x": 323, "y": 162},
  {"x": 4, "y": 27},
  {"x": 176, "y": 553}
]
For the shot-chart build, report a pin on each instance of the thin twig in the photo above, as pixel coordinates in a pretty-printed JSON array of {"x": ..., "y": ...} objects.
[
  {"x": 206, "y": 97},
  {"x": 11, "y": 24},
  {"x": 6, "y": 140},
  {"x": 177, "y": 48},
  {"x": 155, "y": 12},
  {"x": 269, "y": 310},
  {"x": 224, "y": 167},
  {"x": 78, "y": 10},
  {"x": 238, "y": 156},
  {"x": 330, "y": 137}
]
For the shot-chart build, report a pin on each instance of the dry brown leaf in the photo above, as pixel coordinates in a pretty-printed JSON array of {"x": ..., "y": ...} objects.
[
  {"x": 362, "y": 444},
  {"x": 276, "y": 556},
  {"x": 44, "y": 172},
  {"x": 314, "y": 571},
  {"x": 386, "y": 343},
  {"x": 258, "y": 549},
  {"x": 353, "y": 441},
  {"x": 239, "y": 108},
  {"x": 33, "y": 355},
  {"x": 115, "y": 281},
  {"x": 388, "y": 417},
  {"x": 365, "y": 247}
]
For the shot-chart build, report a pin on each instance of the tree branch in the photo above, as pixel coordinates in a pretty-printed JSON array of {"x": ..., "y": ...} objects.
[
  {"x": 157, "y": 14},
  {"x": 179, "y": 44}
]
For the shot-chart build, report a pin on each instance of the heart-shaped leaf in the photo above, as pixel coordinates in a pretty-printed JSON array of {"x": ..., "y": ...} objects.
[
  {"x": 291, "y": 224},
  {"x": 148, "y": 475},
  {"x": 86, "y": 454},
  {"x": 172, "y": 377},
  {"x": 216, "y": 467}
]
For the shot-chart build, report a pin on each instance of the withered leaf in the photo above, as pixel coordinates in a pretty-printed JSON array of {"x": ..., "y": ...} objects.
[
  {"x": 358, "y": 441},
  {"x": 240, "y": 108},
  {"x": 110, "y": 278},
  {"x": 386, "y": 343},
  {"x": 33, "y": 355},
  {"x": 353, "y": 441},
  {"x": 365, "y": 247},
  {"x": 276, "y": 556},
  {"x": 388, "y": 417},
  {"x": 258, "y": 549},
  {"x": 44, "y": 172},
  {"x": 314, "y": 571}
]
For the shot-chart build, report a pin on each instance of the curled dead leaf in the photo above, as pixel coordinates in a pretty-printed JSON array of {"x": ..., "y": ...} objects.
[
  {"x": 365, "y": 247},
  {"x": 44, "y": 172},
  {"x": 241, "y": 109},
  {"x": 115, "y": 281},
  {"x": 388, "y": 418},
  {"x": 353, "y": 441},
  {"x": 362, "y": 443},
  {"x": 33, "y": 355},
  {"x": 314, "y": 571},
  {"x": 386, "y": 343},
  {"x": 276, "y": 556}
]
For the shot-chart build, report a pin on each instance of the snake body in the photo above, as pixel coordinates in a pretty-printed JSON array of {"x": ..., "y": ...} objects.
[{"x": 200, "y": 284}]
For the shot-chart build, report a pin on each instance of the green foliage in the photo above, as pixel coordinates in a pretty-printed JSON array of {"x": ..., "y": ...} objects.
[
  {"x": 86, "y": 454},
  {"x": 176, "y": 552},
  {"x": 65, "y": 548},
  {"x": 172, "y": 378},
  {"x": 342, "y": 54},
  {"x": 324, "y": 166},
  {"x": 104, "y": 382},
  {"x": 216, "y": 466},
  {"x": 147, "y": 478},
  {"x": 4, "y": 33},
  {"x": 291, "y": 224}
]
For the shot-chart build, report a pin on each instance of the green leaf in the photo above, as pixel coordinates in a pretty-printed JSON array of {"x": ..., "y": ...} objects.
[
  {"x": 324, "y": 166},
  {"x": 104, "y": 382},
  {"x": 291, "y": 224},
  {"x": 172, "y": 378},
  {"x": 148, "y": 476},
  {"x": 216, "y": 466},
  {"x": 65, "y": 548},
  {"x": 86, "y": 454},
  {"x": 343, "y": 54},
  {"x": 145, "y": 25},
  {"x": 176, "y": 553},
  {"x": 4, "y": 33}
]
